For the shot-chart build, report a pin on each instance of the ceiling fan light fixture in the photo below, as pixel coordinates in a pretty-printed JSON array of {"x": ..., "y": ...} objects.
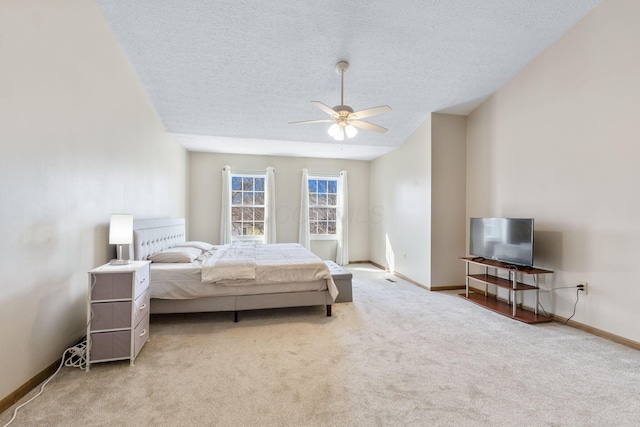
[
  {"x": 334, "y": 130},
  {"x": 351, "y": 131},
  {"x": 345, "y": 119},
  {"x": 338, "y": 130}
]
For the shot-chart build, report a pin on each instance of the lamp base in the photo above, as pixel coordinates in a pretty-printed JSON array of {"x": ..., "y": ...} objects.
[{"x": 119, "y": 262}]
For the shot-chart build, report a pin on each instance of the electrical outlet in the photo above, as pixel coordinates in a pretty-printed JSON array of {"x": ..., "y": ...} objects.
[{"x": 585, "y": 287}]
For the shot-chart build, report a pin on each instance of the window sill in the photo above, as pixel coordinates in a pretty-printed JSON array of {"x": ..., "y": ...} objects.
[
  {"x": 259, "y": 239},
  {"x": 323, "y": 237}
]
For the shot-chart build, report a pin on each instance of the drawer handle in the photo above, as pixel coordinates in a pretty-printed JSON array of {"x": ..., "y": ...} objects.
[
  {"x": 143, "y": 333},
  {"x": 143, "y": 306},
  {"x": 144, "y": 279}
]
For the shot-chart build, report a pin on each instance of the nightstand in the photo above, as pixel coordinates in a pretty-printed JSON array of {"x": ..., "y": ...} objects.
[{"x": 118, "y": 312}]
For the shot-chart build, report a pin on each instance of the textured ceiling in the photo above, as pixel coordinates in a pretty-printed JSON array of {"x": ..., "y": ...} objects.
[{"x": 229, "y": 75}]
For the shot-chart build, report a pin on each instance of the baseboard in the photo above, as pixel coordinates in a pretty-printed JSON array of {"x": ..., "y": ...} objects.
[
  {"x": 395, "y": 273},
  {"x": 375, "y": 264},
  {"x": 598, "y": 332},
  {"x": 448, "y": 288},
  {"x": 25, "y": 388}
]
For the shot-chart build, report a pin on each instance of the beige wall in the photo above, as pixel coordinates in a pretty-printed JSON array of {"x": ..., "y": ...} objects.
[
  {"x": 79, "y": 140},
  {"x": 560, "y": 143},
  {"x": 448, "y": 201},
  {"x": 206, "y": 183},
  {"x": 418, "y": 204},
  {"x": 401, "y": 207}
]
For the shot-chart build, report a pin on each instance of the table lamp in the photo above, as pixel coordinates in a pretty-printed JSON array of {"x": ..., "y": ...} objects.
[{"x": 120, "y": 233}]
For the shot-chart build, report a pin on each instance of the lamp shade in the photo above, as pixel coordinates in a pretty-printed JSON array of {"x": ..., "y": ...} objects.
[
  {"x": 121, "y": 229},
  {"x": 351, "y": 131},
  {"x": 334, "y": 130}
]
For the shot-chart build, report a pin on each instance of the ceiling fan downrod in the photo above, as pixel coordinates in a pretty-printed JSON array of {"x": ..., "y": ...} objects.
[{"x": 341, "y": 68}]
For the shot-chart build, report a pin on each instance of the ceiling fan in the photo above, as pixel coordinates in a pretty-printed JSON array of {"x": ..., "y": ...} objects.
[{"x": 345, "y": 120}]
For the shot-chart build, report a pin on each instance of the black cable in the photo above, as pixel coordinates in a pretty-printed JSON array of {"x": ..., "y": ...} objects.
[
  {"x": 563, "y": 287},
  {"x": 574, "y": 306}
]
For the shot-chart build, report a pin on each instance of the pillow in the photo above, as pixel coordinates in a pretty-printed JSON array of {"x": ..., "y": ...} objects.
[
  {"x": 203, "y": 246},
  {"x": 175, "y": 254}
]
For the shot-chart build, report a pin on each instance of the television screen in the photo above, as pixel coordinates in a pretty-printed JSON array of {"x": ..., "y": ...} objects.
[{"x": 508, "y": 240}]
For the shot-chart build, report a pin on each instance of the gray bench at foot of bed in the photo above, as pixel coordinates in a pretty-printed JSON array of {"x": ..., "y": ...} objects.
[{"x": 342, "y": 279}]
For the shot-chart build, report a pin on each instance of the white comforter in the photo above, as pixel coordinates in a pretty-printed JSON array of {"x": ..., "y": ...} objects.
[
  {"x": 230, "y": 262},
  {"x": 246, "y": 262}
]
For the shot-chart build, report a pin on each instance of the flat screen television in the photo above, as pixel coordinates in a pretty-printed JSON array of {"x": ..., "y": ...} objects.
[{"x": 509, "y": 240}]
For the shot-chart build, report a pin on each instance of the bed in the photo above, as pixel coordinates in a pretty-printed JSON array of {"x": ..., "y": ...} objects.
[{"x": 220, "y": 278}]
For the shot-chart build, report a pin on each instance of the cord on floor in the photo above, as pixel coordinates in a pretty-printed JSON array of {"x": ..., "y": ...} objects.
[{"x": 73, "y": 357}]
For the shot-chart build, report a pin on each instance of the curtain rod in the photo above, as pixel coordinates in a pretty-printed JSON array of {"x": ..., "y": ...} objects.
[
  {"x": 250, "y": 171},
  {"x": 327, "y": 175}
]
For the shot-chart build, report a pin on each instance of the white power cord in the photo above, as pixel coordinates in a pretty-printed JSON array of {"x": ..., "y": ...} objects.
[{"x": 76, "y": 359}]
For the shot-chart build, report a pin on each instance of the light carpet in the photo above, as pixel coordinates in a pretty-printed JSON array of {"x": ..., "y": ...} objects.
[{"x": 397, "y": 356}]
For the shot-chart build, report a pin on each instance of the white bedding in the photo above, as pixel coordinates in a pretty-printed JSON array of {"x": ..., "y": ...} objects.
[
  {"x": 277, "y": 263},
  {"x": 230, "y": 262},
  {"x": 278, "y": 268}
]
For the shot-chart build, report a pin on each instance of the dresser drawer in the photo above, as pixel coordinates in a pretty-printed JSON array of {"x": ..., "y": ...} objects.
[
  {"x": 142, "y": 280},
  {"x": 110, "y": 315},
  {"x": 141, "y": 334},
  {"x": 141, "y": 307},
  {"x": 111, "y": 286},
  {"x": 110, "y": 345},
  {"x": 118, "y": 311}
]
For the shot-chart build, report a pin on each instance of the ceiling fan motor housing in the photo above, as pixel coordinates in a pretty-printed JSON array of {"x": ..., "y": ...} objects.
[{"x": 343, "y": 110}]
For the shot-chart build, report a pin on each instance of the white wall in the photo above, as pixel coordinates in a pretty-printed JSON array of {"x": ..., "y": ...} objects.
[
  {"x": 79, "y": 140},
  {"x": 560, "y": 143},
  {"x": 418, "y": 204},
  {"x": 206, "y": 183},
  {"x": 401, "y": 207},
  {"x": 448, "y": 199}
]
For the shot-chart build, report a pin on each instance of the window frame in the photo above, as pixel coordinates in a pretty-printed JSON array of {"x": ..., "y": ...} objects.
[
  {"x": 332, "y": 236},
  {"x": 250, "y": 237}
]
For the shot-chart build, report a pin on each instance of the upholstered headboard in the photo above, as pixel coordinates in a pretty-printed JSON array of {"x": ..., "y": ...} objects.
[{"x": 153, "y": 235}]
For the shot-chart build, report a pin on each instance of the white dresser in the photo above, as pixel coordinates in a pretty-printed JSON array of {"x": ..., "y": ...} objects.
[{"x": 118, "y": 312}]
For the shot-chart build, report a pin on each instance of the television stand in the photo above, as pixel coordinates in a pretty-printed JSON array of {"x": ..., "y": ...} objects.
[{"x": 492, "y": 278}]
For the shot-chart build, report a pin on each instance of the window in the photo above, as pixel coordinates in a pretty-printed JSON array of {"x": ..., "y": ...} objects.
[
  {"x": 247, "y": 207},
  {"x": 323, "y": 204}
]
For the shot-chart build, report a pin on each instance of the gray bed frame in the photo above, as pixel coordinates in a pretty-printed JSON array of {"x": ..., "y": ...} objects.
[{"x": 154, "y": 235}]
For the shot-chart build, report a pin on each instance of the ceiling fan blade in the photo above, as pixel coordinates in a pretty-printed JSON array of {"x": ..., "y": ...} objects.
[
  {"x": 325, "y": 108},
  {"x": 368, "y": 126},
  {"x": 370, "y": 112},
  {"x": 313, "y": 121}
]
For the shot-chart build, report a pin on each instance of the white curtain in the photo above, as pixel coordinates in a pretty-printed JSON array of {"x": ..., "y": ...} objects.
[
  {"x": 225, "y": 207},
  {"x": 342, "y": 221},
  {"x": 303, "y": 231},
  {"x": 270, "y": 206}
]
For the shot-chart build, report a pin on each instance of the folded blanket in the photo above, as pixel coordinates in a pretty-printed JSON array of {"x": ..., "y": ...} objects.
[
  {"x": 246, "y": 263},
  {"x": 231, "y": 262}
]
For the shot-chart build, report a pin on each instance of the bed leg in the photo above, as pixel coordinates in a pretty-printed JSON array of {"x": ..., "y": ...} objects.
[
  {"x": 329, "y": 310},
  {"x": 235, "y": 317}
]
